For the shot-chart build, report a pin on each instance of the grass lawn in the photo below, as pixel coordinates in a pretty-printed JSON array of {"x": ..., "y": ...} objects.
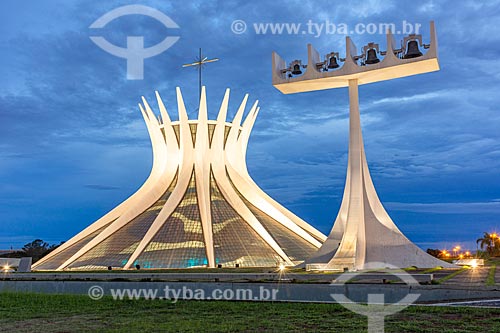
[{"x": 72, "y": 313}]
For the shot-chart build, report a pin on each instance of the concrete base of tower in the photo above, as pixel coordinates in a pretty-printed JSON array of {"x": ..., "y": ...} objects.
[{"x": 363, "y": 235}]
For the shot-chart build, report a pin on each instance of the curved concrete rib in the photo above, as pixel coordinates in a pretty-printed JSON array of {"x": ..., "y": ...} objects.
[
  {"x": 115, "y": 213},
  {"x": 219, "y": 171},
  {"x": 185, "y": 172},
  {"x": 238, "y": 173},
  {"x": 202, "y": 173},
  {"x": 141, "y": 203},
  {"x": 233, "y": 134},
  {"x": 234, "y": 158}
]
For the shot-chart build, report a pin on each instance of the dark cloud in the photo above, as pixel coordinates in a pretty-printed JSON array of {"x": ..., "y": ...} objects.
[{"x": 101, "y": 187}]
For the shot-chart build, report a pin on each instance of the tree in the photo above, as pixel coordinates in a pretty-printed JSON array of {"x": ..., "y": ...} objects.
[
  {"x": 490, "y": 243},
  {"x": 36, "y": 249},
  {"x": 434, "y": 252}
]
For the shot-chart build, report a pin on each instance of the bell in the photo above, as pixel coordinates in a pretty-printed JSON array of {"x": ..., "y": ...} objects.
[
  {"x": 413, "y": 50},
  {"x": 332, "y": 63},
  {"x": 371, "y": 57},
  {"x": 296, "y": 70}
]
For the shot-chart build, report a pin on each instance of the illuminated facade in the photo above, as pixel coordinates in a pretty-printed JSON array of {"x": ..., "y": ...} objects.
[{"x": 199, "y": 206}]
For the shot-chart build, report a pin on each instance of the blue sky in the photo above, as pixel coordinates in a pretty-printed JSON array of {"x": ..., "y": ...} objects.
[{"x": 73, "y": 143}]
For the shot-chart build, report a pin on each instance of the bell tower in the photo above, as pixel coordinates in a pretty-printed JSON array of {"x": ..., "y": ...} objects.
[{"x": 363, "y": 235}]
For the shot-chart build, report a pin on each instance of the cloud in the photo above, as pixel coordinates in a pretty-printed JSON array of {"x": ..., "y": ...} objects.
[
  {"x": 490, "y": 207},
  {"x": 415, "y": 98},
  {"x": 101, "y": 187}
]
